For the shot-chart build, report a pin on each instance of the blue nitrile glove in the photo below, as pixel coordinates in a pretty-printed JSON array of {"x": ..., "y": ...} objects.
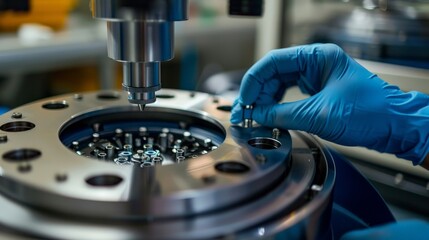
[
  {"x": 349, "y": 105},
  {"x": 410, "y": 229}
]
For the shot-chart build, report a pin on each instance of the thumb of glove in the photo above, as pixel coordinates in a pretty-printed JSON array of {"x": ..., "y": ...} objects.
[{"x": 299, "y": 115}]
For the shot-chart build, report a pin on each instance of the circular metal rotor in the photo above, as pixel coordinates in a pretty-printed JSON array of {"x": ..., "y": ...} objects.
[{"x": 254, "y": 183}]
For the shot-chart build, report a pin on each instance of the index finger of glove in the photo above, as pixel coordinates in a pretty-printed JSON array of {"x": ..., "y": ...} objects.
[{"x": 276, "y": 65}]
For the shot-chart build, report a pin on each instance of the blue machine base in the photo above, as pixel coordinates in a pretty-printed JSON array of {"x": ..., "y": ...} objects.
[{"x": 357, "y": 204}]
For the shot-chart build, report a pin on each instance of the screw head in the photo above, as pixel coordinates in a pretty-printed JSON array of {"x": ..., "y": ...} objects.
[
  {"x": 209, "y": 179},
  {"x": 316, "y": 187},
  {"x": 61, "y": 177},
  {"x": 16, "y": 115},
  {"x": 276, "y": 133},
  {"x": 260, "y": 158},
  {"x": 3, "y": 137},
  {"x": 78, "y": 97},
  {"x": 24, "y": 167},
  {"x": 399, "y": 177}
]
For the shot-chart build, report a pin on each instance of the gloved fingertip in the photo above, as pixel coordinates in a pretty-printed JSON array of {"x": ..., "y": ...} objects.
[
  {"x": 236, "y": 101},
  {"x": 236, "y": 113},
  {"x": 235, "y": 120},
  {"x": 264, "y": 114}
]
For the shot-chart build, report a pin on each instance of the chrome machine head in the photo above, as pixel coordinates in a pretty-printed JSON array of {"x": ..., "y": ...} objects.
[{"x": 140, "y": 35}]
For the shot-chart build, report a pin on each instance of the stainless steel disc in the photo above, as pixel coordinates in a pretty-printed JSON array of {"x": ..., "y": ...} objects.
[{"x": 90, "y": 166}]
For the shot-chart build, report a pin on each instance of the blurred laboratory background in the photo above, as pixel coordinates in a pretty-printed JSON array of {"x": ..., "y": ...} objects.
[{"x": 57, "y": 47}]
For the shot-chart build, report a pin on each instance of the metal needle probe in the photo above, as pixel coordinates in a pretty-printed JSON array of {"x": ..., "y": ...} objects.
[{"x": 141, "y": 107}]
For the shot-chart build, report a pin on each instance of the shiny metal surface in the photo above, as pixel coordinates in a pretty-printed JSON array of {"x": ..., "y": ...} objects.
[
  {"x": 141, "y": 80},
  {"x": 138, "y": 10},
  {"x": 140, "y": 41},
  {"x": 141, "y": 35},
  {"x": 251, "y": 186}
]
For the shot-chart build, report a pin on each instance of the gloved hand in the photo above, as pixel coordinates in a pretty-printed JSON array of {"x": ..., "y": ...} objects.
[
  {"x": 349, "y": 105},
  {"x": 410, "y": 229}
]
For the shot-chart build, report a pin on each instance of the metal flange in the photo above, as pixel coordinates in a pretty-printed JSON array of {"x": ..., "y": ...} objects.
[{"x": 253, "y": 184}]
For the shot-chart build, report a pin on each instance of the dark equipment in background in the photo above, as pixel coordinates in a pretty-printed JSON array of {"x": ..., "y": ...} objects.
[
  {"x": 394, "y": 32},
  {"x": 15, "y": 5}
]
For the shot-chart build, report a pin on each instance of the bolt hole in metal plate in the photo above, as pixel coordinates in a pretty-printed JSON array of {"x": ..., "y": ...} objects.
[
  {"x": 104, "y": 180},
  {"x": 19, "y": 126},
  {"x": 224, "y": 108},
  {"x": 232, "y": 167},
  {"x": 165, "y": 96},
  {"x": 109, "y": 96},
  {"x": 21, "y": 155},
  {"x": 55, "y": 105},
  {"x": 264, "y": 143}
]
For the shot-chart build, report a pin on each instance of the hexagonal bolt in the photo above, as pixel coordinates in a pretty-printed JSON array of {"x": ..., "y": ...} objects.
[
  {"x": 126, "y": 154},
  {"x": 180, "y": 152},
  {"x": 140, "y": 153},
  {"x": 101, "y": 156},
  {"x": 147, "y": 147},
  {"x": 157, "y": 160},
  {"x": 146, "y": 164},
  {"x": 128, "y": 147},
  {"x": 122, "y": 161}
]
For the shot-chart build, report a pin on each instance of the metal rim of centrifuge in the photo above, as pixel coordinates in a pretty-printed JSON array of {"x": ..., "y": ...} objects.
[{"x": 55, "y": 179}]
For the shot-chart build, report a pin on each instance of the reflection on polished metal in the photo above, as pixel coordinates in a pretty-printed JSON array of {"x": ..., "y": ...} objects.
[
  {"x": 140, "y": 35},
  {"x": 179, "y": 170},
  {"x": 141, "y": 106}
]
